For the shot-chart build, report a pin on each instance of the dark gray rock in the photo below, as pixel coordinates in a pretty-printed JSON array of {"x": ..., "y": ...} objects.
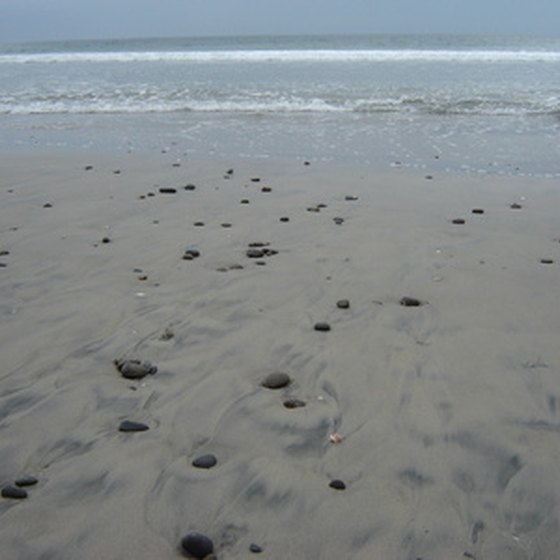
[
  {"x": 167, "y": 190},
  {"x": 205, "y": 461},
  {"x": 130, "y": 426},
  {"x": 294, "y": 403},
  {"x": 197, "y": 545},
  {"x": 135, "y": 369},
  {"x": 276, "y": 380},
  {"x": 26, "y": 481},
  {"x": 255, "y": 548},
  {"x": 322, "y": 327},
  {"x": 255, "y": 253},
  {"x": 343, "y": 304},
  {"x": 410, "y": 302},
  {"x": 14, "y": 493},
  {"x": 337, "y": 484}
]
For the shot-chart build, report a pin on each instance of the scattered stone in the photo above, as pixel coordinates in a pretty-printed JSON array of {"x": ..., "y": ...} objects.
[
  {"x": 3, "y": 265},
  {"x": 236, "y": 267},
  {"x": 135, "y": 369},
  {"x": 226, "y": 225},
  {"x": 284, "y": 219},
  {"x": 337, "y": 484},
  {"x": 313, "y": 209},
  {"x": 322, "y": 327},
  {"x": 199, "y": 224},
  {"x": 338, "y": 221},
  {"x": 191, "y": 254},
  {"x": 343, "y": 304},
  {"x": 515, "y": 206},
  {"x": 266, "y": 190},
  {"x": 4, "y": 253},
  {"x": 244, "y": 201},
  {"x": 189, "y": 187},
  {"x": 151, "y": 194},
  {"x": 547, "y": 261},
  {"x": 260, "y": 263},
  {"x": 458, "y": 221},
  {"x": 259, "y": 244},
  {"x": 294, "y": 403},
  {"x": 88, "y": 167},
  {"x": 176, "y": 164},
  {"x": 143, "y": 277},
  {"x": 47, "y": 205},
  {"x": 229, "y": 172},
  {"x": 197, "y": 545},
  {"x": 335, "y": 438},
  {"x": 429, "y": 177},
  {"x": 478, "y": 211},
  {"x": 106, "y": 240},
  {"x": 269, "y": 252},
  {"x": 350, "y": 198},
  {"x": 167, "y": 190},
  {"x": 322, "y": 205},
  {"x": 276, "y": 380},
  {"x": 117, "y": 172},
  {"x": 205, "y": 461},
  {"x": 255, "y": 548},
  {"x": 26, "y": 481},
  {"x": 255, "y": 253},
  {"x": 167, "y": 334},
  {"x": 410, "y": 302},
  {"x": 255, "y": 180},
  {"x": 130, "y": 426},
  {"x": 13, "y": 493},
  {"x": 306, "y": 163}
]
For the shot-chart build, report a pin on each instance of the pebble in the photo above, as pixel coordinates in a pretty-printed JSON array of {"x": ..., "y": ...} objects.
[
  {"x": 197, "y": 545},
  {"x": 47, "y": 205},
  {"x": 276, "y": 380},
  {"x": 266, "y": 190},
  {"x": 130, "y": 426},
  {"x": 135, "y": 369},
  {"x": 350, "y": 198},
  {"x": 547, "y": 261},
  {"x": 458, "y": 221},
  {"x": 343, "y": 304},
  {"x": 255, "y": 253},
  {"x": 255, "y": 548},
  {"x": 226, "y": 225},
  {"x": 167, "y": 190},
  {"x": 199, "y": 224},
  {"x": 410, "y": 302},
  {"x": 477, "y": 211},
  {"x": 337, "y": 484},
  {"x": 338, "y": 221},
  {"x": 294, "y": 403},
  {"x": 13, "y": 493},
  {"x": 515, "y": 206},
  {"x": 26, "y": 481},
  {"x": 106, "y": 240},
  {"x": 255, "y": 180},
  {"x": 88, "y": 167},
  {"x": 189, "y": 187},
  {"x": 429, "y": 177},
  {"x": 284, "y": 219},
  {"x": 323, "y": 327},
  {"x": 205, "y": 461},
  {"x": 244, "y": 201},
  {"x": 4, "y": 253},
  {"x": 191, "y": 254}
]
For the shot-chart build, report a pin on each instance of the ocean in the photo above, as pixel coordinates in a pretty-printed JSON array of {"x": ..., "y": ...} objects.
[{"x": 482, "y": 104}]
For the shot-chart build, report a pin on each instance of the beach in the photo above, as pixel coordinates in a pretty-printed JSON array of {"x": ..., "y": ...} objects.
[{"x": 413, "y": 311}]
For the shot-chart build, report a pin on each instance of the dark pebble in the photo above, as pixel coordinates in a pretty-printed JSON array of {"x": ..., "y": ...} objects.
[
  {"x": 191, "y": 254},
  {"x": 323, "y": 327},
  {"x": 255, "y": 548},
  {"x": 260, "y": 263},
  {"x": 306, "y": 163},
  {"x": 515, "y": 206},
  {"x": 284, "y": 219},
  {"x": 47, "y": 205},
  {"x": 255, "y": 180},
  {"x": 26, "y": 481},
  {"x": 3, "y": 265},
  {"x": 205, "y": 462},
  {"x": 338, "y": 221},
  {"x": 276, "y": 380},
  {"x": 337, "y": 485},
  {"x": 129, "y": 426},
  {"x": 229, "y": 172},
  {"x": 429, "y": 177},
  {"x": 266, "y": 189},
  {"x": 189, "y": 187},
  {"x": 477, "y": 211},
  {"x": 244, "y": 201},
  {"x": 135, "y": 369},
  {"x": 313, "y": 209},
  {"x": 294, "y": 403},
  {"x": 117, "y": 172},
  {"x": 343, "y": 304},
  {"x": 350, "y": 198},
  {"x": 88, "y": 167},
  {"x": 410, "y": 302},
  {"x": 547, "y": 261},
  {"x": 176, "y": 164},
  {"x": 226, "y": 225},
  {"x": 4, "y": 253},
  {"x": 167, "y": 190},
  {"x": 199, "y": 224},
  {"x": 458, "y": 221},
  {"x": 13, "y": 493},
  {"x": 106, "y": 240},
  {"x": 197, "y": 545},
  {"x": 255, "y": 253},
  {"x": 150, "y": 194}
]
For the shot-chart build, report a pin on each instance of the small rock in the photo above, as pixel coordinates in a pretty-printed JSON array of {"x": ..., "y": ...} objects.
[
  {"x": 410, "y": 302},
  {"x": 191, "y": 254},
  {"x": 13, "y": 493},
  {"x": 266, "y": 190},
  {"x": 226, "y": 225},
  {"x": 343, "y": 304},
  {"x": 130, "y": 426},
  {"x": 205, "y": 461},
  {"x": 338, "y": 221},
  {"x": 478, "y": 211},
  {"x": 26, "y": 481},
  {"x": 322, "y": 327},
  {"x": 429, "y": 177},
  {"x": 244, "y": 201},
  {"x": 229, "y": 172},
  {"x": 167, "y": 190},
  {"x": 189, "y": 187},
  {"x": 337, "y": 484},
  {"x": 88, "y": 167},
  {"x": 176, "y": 164},
  {"x": 4, "y": 253},
  {"x": 350, "y": 198},
  {"x": 106, "y": 240},
  {"x": 294, "y": 403},
  {"x": 47, "y": 205},
  {"x": 142, "y": 277},
  {"x": 515, "y": 206},
  {"x": 255, "y": 548},
  {"x": 135, "y": 369},
  {"x": 547, "y": 261},
  {"x": 313, "y": 209},
  {"x": 255, "y": 253},
  {"x": 167, "y": 334},
  {"x": 117, "y": 172},
  {"x": 255, "y": 180},
  {"x": 199, "y": 224},
  {"x": 284, "y": 219},
  {"x": 458, "y": 221},
  {"x": 276, "y": 380},
  {"x": 306, "y": 163},
  {"x": 197, "y": 545}
]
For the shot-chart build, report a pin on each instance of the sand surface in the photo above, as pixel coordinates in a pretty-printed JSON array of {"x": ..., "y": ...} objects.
[{"x": 449, "y": 412}]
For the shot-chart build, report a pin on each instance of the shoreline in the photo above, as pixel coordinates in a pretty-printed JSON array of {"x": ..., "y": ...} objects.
[{"x": 448, "y": 412}]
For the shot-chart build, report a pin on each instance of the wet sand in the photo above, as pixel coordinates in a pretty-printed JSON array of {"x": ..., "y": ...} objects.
[{"x": 439, "y": 420}]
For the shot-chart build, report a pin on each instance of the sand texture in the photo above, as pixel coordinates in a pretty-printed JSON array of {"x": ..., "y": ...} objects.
[{"x": 441, "y": 420}]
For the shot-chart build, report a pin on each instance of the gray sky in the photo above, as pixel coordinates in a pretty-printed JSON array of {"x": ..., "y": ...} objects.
[{"x": 26, "y": 20}]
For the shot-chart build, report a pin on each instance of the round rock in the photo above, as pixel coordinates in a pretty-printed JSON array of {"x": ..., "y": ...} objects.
[
  {"x": 337, "y": 484},
  {"x": 205, "y": 461},
  {"x": 276, "y": 380},
  {"x": 343, "y": 304},
  {"x": 410, "y": 302},
  {"x": 294, "y": 403},
  {"x": 135, "y": 369},
  {"x": 322, "y": 327},
  {"x": 13, "y": 493},
  {"x": 26, "y": 481},
  {"x": 130, "y": 426},
  {"x": 255, "y": 253},
  {"x": 197, "y": 545},
  {"x": 255, "y": 548}
]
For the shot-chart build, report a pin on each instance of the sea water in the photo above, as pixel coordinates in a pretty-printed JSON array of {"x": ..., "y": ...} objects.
[{"x": 472, "y": 103}]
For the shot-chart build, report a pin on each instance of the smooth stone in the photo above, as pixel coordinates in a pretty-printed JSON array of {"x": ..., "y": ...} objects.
[
  {"x": 266, "y": 190},
  {"x": 410, "y": 302},
  {"x": 338, "y": 221},
  {"x": 229, "y": 172},
  {"x": 516, "y": 206},
  {"x": 88, "y": 167},
  {"x": 189, "y": 187},
  {"x": 26, "y": 481},
  {"x": 191, "y": 254},
  {"x": 429, "y": 177},
  {"x": 322, "y": 327},
  {"x": 130, "y": 426},
  {"x": 547, "y": 261},
  {"x": 284, "y": 219},
  {"x": 259, "y": 244},
  {"x": 255, "y": 548},
  {"x": 205, "y": 461},
  {"x": 106, "y": 240},
  {"x": 135, "y": 369},
  {"x": 255, "y": 180},
  {"x": 255, "y": 253},
  {"x": 226, "y": 225},
  {"x": 199, "y": 224},
  {"x": 13, "y": 493},
  {"x": 294, "y": 403},
  {"x": 197, "y": 545},
  {"x": 276, "y": 380},
  {"x": 337, "y": 485},
  {"x": 47, "y": 205},
  {"x": 458, "y": 221},
  {"x": 343, "y": 304},
  {"x": 477, "y": 211},
  {"x": 167, "y": 190},
  {"x": 4, "y": 253},
  {"x": 244, "y": 201},
  {"x": 350, "y": 198}
]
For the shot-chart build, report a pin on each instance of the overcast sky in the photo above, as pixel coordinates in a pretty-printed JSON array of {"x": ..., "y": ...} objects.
[{"x": 26, "y": 20}]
